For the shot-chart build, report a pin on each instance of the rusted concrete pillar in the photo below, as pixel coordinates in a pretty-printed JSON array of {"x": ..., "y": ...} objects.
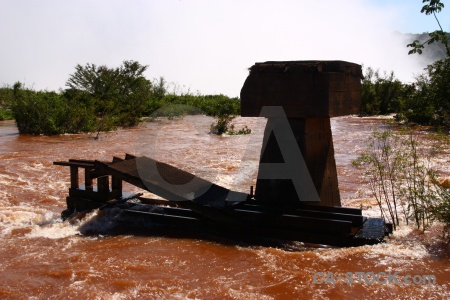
[{"x": 310, "y": 92}]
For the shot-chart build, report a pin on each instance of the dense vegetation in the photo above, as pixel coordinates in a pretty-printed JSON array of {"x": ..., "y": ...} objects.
[
  {"x": 381, "y": 93},
  {"x": 99, "y": 98},
  {"x": 397, "y": 167},
  {"x": 426, "y": 101},
  {"x": 5, "y": 111}
]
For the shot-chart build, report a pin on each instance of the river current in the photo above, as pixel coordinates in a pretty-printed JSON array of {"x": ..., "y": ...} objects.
[{"x": 42, "y": 257}]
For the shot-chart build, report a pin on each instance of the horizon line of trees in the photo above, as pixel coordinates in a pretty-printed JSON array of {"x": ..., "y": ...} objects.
[
  {"x": 99, "y": 98},
  {"x": 398, "y": 168},
  {"x": 424, "y": 102},
  {"x": 427, "y": 100}
]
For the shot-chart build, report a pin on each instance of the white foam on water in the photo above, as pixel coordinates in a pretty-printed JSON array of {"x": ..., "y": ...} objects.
[
  {"x": 245, "y": 294},
  {"x": 4, "y": 196},
  {"x": 5, "y": 179},
  {"x": 56, "y": 230},
  {"x": 34, "y": 167},
  {"x": 150, "y": 291},
  {"x": 23, "y": 216},
  {"x": 40, "y": 222},
  {"x": 400, "y": 251},
  {"x": 13, "y": 180}
]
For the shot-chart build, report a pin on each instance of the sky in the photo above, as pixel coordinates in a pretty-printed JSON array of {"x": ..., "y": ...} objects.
[{"x": 204, "y": 46}]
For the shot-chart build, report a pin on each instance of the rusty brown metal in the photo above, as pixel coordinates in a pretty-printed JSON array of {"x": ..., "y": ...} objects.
[{"x": 337, "y": 226}]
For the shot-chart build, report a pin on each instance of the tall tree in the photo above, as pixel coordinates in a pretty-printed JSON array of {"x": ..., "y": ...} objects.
[
  {"x": 119, "y": 94},
  {"x": 429, "y": 104}
]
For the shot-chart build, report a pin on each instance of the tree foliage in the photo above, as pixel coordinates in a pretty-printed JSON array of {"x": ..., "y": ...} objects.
[
  {"x": 398, "y": 170},
  {"x": 429, "y": 104},
  {"x": 432, "y": 7},
  {"x": 5, "y": 101},
  {"x": 49, "y": 113},
  {"x": 119, "y": 95},
  {"x": 99, "y": 98},
  {"x": 380, "y": 94},
  {"x": 426, "y": 101}
]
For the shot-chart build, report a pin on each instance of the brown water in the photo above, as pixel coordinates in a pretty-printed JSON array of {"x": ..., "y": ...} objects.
[{"x": 42, "y": 257}]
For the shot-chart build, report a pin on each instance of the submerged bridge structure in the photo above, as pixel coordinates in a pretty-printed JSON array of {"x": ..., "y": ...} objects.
[{"x": 296, "y": 197}]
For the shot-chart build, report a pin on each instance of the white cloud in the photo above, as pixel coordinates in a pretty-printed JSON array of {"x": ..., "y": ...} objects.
[{"x": 204, "y": 45}]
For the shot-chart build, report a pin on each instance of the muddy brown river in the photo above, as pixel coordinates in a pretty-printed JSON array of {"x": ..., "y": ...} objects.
[{"x": 42, "y": 257}]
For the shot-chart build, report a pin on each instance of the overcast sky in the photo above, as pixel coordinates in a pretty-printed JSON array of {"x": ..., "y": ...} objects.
[{"x": 204, "y": 45}]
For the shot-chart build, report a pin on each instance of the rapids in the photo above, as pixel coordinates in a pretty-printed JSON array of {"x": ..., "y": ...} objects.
[{"x": 42, "y": 257}]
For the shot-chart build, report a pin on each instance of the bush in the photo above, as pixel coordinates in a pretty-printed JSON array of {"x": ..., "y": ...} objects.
[
  {"x": 243, "y": 130},
  {"x": 381, "y": 94},
  {"x": 5, "y": 100},
  {"x": 38, "y": 112},
  {"x": 76, "y": 110},
  {"x": 50, "y": 113},
  {"x": 172, "y": 111},
  {"x": 382, "y": 163},
  {"x": 442, "y": 211},
  {"x": 6, "y": 114},
  {"x": 424, "y": 102},
  {"x": 222, "y": 125},
  {"x": 399, "y": 175},
  {"x": 212, "y": 105},
  {"x": 220, "y": 106},
  {"x": 429, "y": 104},
  {"x": 100, "y": 98},
  {"x": 119, "y": 95}
]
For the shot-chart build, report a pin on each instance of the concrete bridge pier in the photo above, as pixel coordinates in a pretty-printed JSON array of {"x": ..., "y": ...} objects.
[{"x": 309, "y": 93}]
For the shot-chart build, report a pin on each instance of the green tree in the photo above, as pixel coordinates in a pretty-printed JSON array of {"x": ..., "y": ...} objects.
[
  {"x": 159, "y": 88},
  {"x": 429, "y": 104},
  {"x": 50, "y": 113},
  {"x": 399, "y": 173},
  {"x": 381, "y": 94},
  {"x": 5, "y": 101},
  {"x": 119, "y": 95}
]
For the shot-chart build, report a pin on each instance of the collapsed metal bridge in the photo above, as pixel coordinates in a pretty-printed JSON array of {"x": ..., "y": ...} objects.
[
  {"x": 298, "y": 98},
  {"x": 210, "y": 207}
]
